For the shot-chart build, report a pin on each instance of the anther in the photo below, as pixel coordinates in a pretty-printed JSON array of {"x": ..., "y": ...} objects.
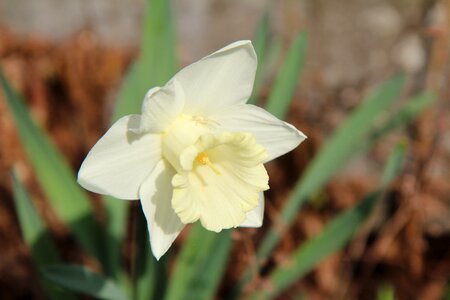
[{"x": 203, "y": 159}]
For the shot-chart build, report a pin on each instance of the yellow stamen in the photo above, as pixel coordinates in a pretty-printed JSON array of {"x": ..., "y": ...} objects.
[{"x": 203, "y": 159}]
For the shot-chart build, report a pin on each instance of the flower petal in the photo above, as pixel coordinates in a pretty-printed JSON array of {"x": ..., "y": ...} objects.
[
  {"x": 222, "y": 181},
  {"x": 254, "y": 218},
  {"x": 161, "y": 107},
  {"x": 276, "y": 136},
  {"x": 221, "y": 79},
  {"x": 120, "y": 161},
  {"x": 163, "y": 223}
]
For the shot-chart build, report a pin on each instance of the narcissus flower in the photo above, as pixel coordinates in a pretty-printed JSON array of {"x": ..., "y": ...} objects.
[{"x": 196, "y": 152}]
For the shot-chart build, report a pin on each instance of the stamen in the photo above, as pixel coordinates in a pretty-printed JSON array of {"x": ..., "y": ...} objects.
[{"x": 203, "y": 159}]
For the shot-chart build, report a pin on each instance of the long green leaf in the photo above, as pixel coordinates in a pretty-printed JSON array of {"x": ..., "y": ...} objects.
[
  {"x": 150, "y": 275},
  {"x": 393, "y": 166},
  {"x": 338, "y": 150},
  {"x": 157, "y": 61},
  {"x": 335, "y": 235},
  {"x": 405, "y": 114},
  {"x": 37, "y": 237},
  {"x": 287, "y": 80},
  {"x": 117, "y": 212},
  {"x": 386, "y": 292},
  {"x": 200, "y": 265},
  {"x": 156, "y": 64},
  {"x": 447, "y": 292},
  {"x": 260, "y": 44},
  {"x": 55, "y": 176},
  {"x": 345, "y": 142},
  {"x": 79, "y": 279}
]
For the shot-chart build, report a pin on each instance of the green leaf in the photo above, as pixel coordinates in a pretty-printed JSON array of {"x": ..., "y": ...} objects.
[
  {"x": 335, "y": 153},
  {"x": 334, "y": 237},
  {"x": 82, "y": 280},
  {"x": 394, "y": 165},
  {"x": 36, "y": 236},
  {"x": 339, "y": 149},
  {"x": 260, "y": 43},
  {"x": 156, "y": 64},
  {"x": 260, "y": 40},
  {"x": 200, "y": 265},
  {"x": 287, "y": 80},
  {"x": 149, "y": 274},
  {"x": 117, "y": 213},
  {"x": 405, "y": 114},
  {"x": 386, "y": 292},
  {"x": 55, "y": 176},
  {"x": 272, "y": 55},
  {"x": 447, "y": 292}
]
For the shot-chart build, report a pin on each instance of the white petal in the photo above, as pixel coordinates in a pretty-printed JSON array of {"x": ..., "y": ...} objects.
[
  {"x": 161, "y": 107},
  {"x": 254, "y": 218},
  {"x": 120, "y": 161},
  {"x": 156, "y": 193},
  {"x": 221, "y": 79},
  {"x": 276, "y": 136}
]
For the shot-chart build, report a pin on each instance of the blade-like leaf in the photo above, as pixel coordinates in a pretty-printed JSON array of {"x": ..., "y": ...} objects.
[
  {"x": 345, "y": 142},
  {"x": 288, "y": 77},
  {"x": 386, "y": 292},
  {"x": 260, "y": 43},
  {"x": 272, "y": 55},
  {"x": 338, "y": 150},
  {"x": 117, "y": 212},
  {"x": 37, "y": 237},
  {"x": 157, "y": 61},
  {"x": 447, "y": 292},
  {"x": 405, "y": 114},
  {"x": 149, "y": 275},
  {"x": 200, "y": 265},
  {"x": 156, "y": 64},
  {"x": 335, "y": 235},
  {"x": 55, "y": 176},
  {"x": 394, "y": 165},
  {"x": 82, "y": 280}
]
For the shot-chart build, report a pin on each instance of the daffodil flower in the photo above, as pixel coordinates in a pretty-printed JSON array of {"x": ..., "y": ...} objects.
[{"x": 196, "y": 152}]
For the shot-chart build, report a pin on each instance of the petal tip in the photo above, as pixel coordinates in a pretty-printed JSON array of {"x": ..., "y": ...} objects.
[{"x": 159, "y": 249}]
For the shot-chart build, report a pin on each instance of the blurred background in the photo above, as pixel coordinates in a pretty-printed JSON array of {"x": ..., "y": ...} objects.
[{"x": 68, "y": 58}]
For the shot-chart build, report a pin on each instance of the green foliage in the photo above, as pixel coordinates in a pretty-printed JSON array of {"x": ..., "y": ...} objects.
[
  {"x": 341, "y": 147},
  {"x": 36, "y": 236},
  {"x": 404, "y": 115},
  {"x": 260, "y": 44},
  {"x": 334, "y": 154},
  {"x": 385, "y": 292},
  {"x": 149, "y": 274},
  {"x": 82, "y": 280},
  {"x": 287, "y": 80},
  {"x": 334, "y": 236},
  {"x": 156, "y": 64},
  {"x": 200, "y": 265},
  {"x": 55, "y": 176},
  {"x": 157, "y": 61}
]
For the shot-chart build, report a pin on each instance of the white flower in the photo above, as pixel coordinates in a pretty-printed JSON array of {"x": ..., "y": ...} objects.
[{"x": 196, "y": 152}]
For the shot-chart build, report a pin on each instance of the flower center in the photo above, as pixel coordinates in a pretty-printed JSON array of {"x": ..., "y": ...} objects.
[
  {"x": 220, "y": 175},
  {"x": 183, "y": 133},
  {"x": 202, "y": 158}
]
